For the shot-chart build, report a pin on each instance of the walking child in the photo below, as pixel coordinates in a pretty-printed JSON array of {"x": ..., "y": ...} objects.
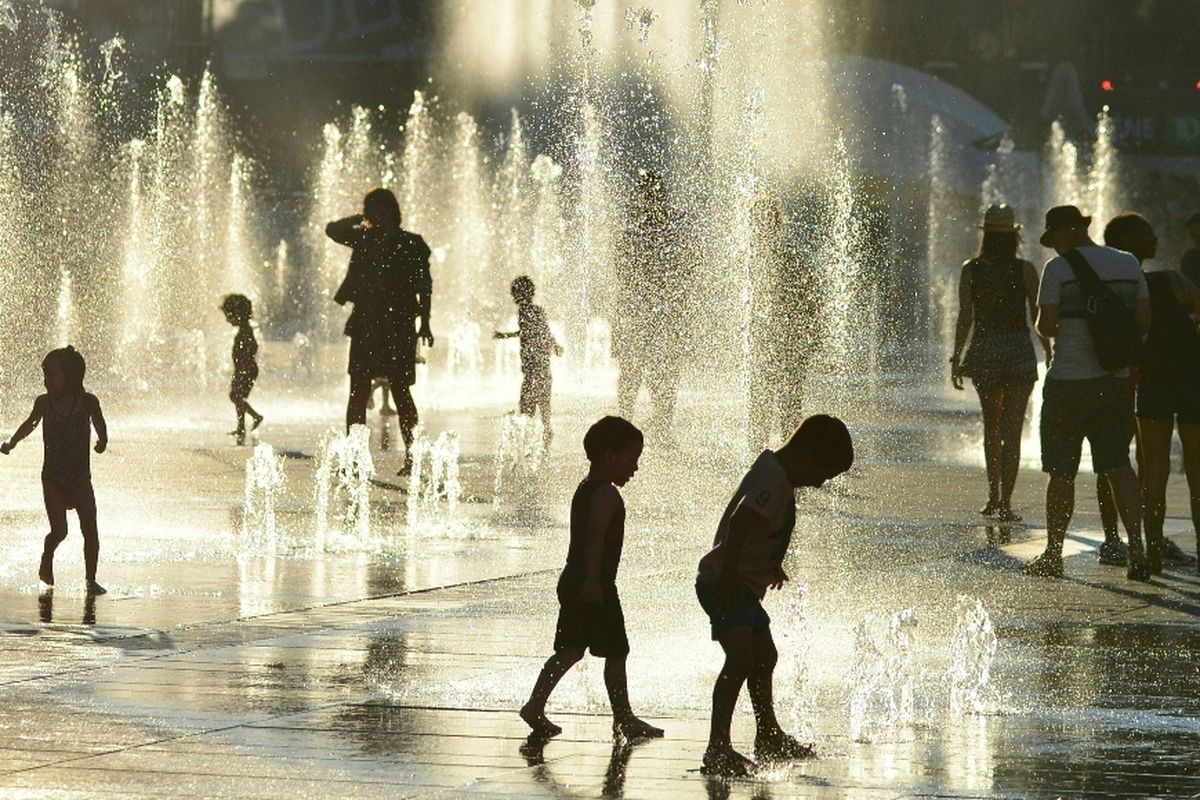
[
  {"x": 589, "y": 616},
  {"x": 746, "y": 560},
  {"x": 238, "y": 311},
  {"x": 67, "y": 413},
  {"x": 536, "y": 344}
]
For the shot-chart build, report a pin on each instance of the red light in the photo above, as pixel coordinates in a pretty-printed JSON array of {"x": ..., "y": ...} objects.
[
  {"x": 1107, "y": 86},
  {"x": 1198, "y": 86}
]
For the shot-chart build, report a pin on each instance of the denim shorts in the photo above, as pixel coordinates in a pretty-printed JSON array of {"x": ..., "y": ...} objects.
[{"x": 745, "y": 611}]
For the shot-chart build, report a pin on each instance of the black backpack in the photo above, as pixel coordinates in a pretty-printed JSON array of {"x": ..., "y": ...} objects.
[{"x": 1112, "y": 324}]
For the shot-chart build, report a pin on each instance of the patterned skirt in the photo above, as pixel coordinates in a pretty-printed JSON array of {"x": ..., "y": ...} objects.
[{"x": 1001, "y": 358}]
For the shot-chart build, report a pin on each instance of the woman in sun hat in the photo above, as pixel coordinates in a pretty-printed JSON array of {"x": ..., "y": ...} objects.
[{"x": 997, "y": 298}]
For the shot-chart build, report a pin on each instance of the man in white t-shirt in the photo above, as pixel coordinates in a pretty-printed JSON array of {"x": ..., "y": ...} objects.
[
  {"x": 747, "y": 559},
  {"x": 1082, "y": 399}
]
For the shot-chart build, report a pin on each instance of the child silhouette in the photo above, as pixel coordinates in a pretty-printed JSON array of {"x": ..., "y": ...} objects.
[{"x": 67, "y": 413}]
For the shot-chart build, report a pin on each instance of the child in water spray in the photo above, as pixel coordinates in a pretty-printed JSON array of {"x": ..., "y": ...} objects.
[
  {"x": 238, "y": 310},
  {"x": 67, "y": 413},
  {"x": 537, "y": 342},
  {"x": 589, "y": 616}
]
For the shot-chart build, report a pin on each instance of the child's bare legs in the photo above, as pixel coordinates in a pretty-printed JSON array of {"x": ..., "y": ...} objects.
[
  {"x": 85, "y": 506},
  {"x": 770, "y": 740},
  {"x": 625, "y": 724},
  {"x": 238, "y": 394},
  {"x": 720, "y": 757},
  {"x": 56, "y": 511},
  {"x": 750, "y": 657},
  {"x": 760, "y": 681},
  {"x": 535, "y": 399},
  {"x": 534, "y": 711}
]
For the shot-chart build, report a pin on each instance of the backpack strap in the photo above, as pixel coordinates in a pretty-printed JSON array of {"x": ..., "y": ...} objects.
[{"x": 1084, "y": 273}]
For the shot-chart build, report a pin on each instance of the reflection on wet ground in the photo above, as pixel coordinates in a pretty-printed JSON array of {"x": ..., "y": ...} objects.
[{"x": 391, "y": 665}]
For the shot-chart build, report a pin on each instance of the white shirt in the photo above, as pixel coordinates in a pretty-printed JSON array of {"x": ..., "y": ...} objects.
[
  {"x": 1074, "y": 354},
  {"x": 767, "y": 492}
]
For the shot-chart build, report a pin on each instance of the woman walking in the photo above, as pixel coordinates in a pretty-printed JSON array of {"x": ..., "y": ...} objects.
[{"x": 994, "y": 292}]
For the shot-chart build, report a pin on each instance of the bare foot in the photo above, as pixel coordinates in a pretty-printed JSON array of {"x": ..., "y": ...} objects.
[
  {"x": 722, "y": 761},
  {"x": 536, "y": 719},
  {"x": 631, "y": 728}
]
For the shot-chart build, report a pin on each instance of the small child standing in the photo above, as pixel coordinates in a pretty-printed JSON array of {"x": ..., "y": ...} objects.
[
  {"x": 68, "y": 413},
  {"x": 238, "y": 311},
  {"x": 746, "y": 560},
  {"x": 537, "y": 342},
  {"x": 590, "y": 614}
]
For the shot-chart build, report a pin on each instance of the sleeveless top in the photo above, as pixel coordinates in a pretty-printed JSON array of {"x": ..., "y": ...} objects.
[
  {"x": 66, "y": 441},
  {"x": 570, "y": 583},
  {"x": 1172, "y": 353},
  {"x": 998, "y": 298}
]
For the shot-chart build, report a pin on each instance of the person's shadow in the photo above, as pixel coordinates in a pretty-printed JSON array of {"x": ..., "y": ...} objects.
[{"x": 533, "y": 751}]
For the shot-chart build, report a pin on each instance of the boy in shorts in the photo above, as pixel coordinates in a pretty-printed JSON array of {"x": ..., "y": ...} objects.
[
  {"x": 746, "y": 560},
  {"x": 589, "y": 616}
]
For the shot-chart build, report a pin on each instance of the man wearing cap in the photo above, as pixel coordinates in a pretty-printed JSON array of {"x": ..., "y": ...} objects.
[{"x": 1082, "y": 399}]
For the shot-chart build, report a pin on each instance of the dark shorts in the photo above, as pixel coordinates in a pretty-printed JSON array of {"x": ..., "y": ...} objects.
[
  {"x": 600, "y": 629},
  {"x": 746, "y": 611},
  {"x": 1098, "y": 409},
  {"x": 243, "y": 382},
  {"x": 1166, "y": 403}
]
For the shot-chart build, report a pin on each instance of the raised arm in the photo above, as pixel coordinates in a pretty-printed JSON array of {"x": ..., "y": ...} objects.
[
  {"x": 345, "y": 231},
  {"x": 98, "y": 423},
  {"x": 25, "y": 428},
  {"x": 605, "y": 502}
]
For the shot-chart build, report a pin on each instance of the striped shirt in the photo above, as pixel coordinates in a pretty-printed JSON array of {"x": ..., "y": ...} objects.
[{"x": 1074, "y": 354}]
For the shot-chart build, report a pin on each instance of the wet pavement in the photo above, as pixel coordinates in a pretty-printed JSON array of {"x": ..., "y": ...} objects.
[{"x": 222, "y": 664}]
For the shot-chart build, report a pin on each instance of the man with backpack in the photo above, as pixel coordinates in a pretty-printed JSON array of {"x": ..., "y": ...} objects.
[{"x": 1093, "y": 302}]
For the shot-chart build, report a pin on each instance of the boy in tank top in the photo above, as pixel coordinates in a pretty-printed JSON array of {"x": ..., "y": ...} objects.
[{"x": 590, "y": 616}]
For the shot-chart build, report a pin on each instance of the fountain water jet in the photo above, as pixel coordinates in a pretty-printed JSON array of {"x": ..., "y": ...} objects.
[
  {"x": 343, "y": 474},
  {"x": 972, "y": 651},
  {"x": 265, "y": 479},
  {"x": 882, "y": 702}
]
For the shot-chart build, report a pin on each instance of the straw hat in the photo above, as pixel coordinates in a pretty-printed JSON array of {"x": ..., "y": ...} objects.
[{"x": 1000, "y": 218}]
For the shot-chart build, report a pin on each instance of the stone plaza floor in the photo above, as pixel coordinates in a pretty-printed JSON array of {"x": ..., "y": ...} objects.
[{"x": 391, "y": 665}]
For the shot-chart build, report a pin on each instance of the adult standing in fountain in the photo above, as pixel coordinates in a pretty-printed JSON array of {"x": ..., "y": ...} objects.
[
  {"x": 653, "y": 281},
  {"x": 785, "y": 306},
  {"x": 388, "y": 282},
  {"x": 1083, "y": 398},
  {"x": 994, "y": 290}
]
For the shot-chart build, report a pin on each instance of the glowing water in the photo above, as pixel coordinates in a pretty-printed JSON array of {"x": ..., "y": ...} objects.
[
  {"x": 972, "y": 652},
  {"x": 265, "y": 479},
  {"x": 882, "y": 702},
  {"x": 343, "y": 481},
  {"x": 518, "y": 456},
  {"x": 434, "y": 487}
]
